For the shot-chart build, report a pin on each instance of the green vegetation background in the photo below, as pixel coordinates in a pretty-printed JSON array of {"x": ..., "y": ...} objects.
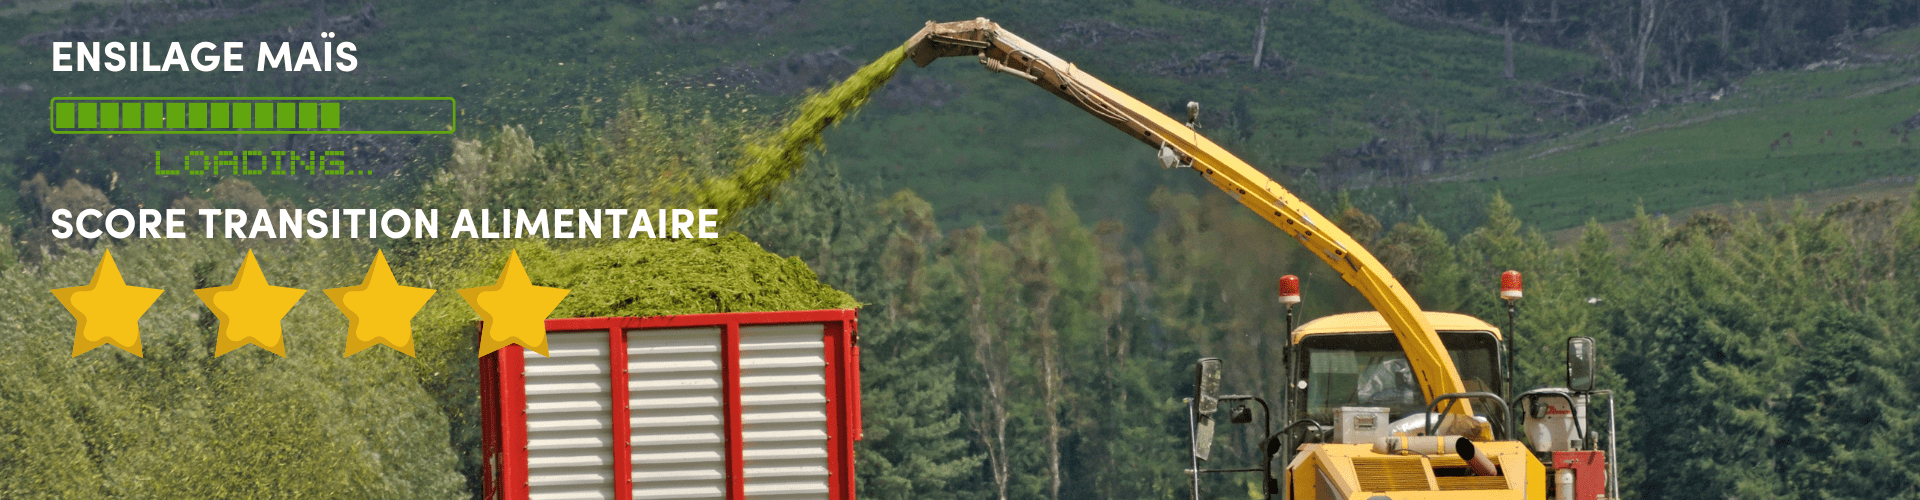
[{"x": 1034, "y": 297}]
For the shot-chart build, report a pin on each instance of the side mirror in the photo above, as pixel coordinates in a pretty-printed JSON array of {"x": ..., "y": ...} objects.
[
  {"x": 1583, "y": 361},
  {"x": 1240, "y": 415},
  {"x": 1206, "y": 402}
]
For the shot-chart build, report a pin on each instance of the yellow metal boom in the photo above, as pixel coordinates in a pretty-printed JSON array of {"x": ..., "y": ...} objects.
[{"x": 1180, "y": 145}]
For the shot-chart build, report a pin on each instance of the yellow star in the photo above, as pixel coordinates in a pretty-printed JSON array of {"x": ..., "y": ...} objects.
[
  {"x": 513, "y": 310},
  {"x": 106, "y": 310},
  {"x": 250, "y": 310},
  {"x": 379, "y": 311}
]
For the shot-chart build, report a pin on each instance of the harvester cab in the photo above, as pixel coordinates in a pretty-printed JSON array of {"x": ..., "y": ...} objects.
[{"x": 1350, "y": 390}]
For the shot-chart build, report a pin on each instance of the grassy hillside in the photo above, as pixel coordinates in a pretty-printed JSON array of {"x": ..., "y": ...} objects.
[
  {"x": 1336, "y": 75},
  {"x": 973, "y": 142},
  {"x": 1846, "y": 132},
  {"x": 1333, "y": 74}
]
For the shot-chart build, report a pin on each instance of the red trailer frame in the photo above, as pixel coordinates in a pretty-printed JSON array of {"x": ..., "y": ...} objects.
[{"x": 503, "y": 398}]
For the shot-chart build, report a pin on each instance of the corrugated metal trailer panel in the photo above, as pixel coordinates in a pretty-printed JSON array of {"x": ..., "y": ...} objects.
[
  {"x": 783, "y": 411},
  {"x": 569, "y": 419},
  {"x": 678, "y": 420},
  {"x": 761, "y": 406}
]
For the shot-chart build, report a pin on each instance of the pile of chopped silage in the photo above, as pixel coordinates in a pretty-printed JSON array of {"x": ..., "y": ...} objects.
[{"x": 651, "y": 277}]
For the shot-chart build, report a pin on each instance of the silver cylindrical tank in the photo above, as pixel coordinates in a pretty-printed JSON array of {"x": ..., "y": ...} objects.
[{"x": 1553, "y": 419}]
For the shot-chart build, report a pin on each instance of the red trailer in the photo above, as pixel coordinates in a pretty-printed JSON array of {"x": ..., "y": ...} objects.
[{"x": 762, "y": 405}]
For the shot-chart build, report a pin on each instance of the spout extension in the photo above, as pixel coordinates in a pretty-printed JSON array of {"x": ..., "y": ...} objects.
[{"x": 957, "y": 38}]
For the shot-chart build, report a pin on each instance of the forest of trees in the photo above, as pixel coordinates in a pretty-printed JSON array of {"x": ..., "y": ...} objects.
[
  {"x": 1761, "y": 356},
  {"x": 1662, "y": 43}
]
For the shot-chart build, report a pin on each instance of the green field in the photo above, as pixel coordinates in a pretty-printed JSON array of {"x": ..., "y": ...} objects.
[
  {"x": 1337, "y": 74},
  {"x": 1677, "y": 157},
  {"x": 1001, "y": 141},
  {"x": 1334, "y": 71}
]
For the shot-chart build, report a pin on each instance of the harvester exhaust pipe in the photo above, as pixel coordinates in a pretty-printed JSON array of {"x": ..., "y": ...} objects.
[{"x": 1480, "y": 463}]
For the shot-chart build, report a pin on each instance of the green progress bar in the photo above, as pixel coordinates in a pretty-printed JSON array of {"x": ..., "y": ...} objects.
[{"x": 248, "y": 115}]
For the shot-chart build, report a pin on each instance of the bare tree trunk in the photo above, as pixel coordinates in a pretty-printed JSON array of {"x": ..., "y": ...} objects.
[
  {"x": 1649, "y": 10},
  {"x": 1034, "y": 262},
  {"x": 1607, "y": 55},
  {"x": 1050, "y": 384},
  {"x": 1260, "y": 36},
  {"x": 1727, "y": 29},
  {"x": 991, "y": 425},
  {"x": 319, "y": 8},
  {"x": 1507, "y": 30}
]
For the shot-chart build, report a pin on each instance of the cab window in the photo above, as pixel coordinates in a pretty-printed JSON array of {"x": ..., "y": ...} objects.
[{"x": 1370, "y": 369}]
